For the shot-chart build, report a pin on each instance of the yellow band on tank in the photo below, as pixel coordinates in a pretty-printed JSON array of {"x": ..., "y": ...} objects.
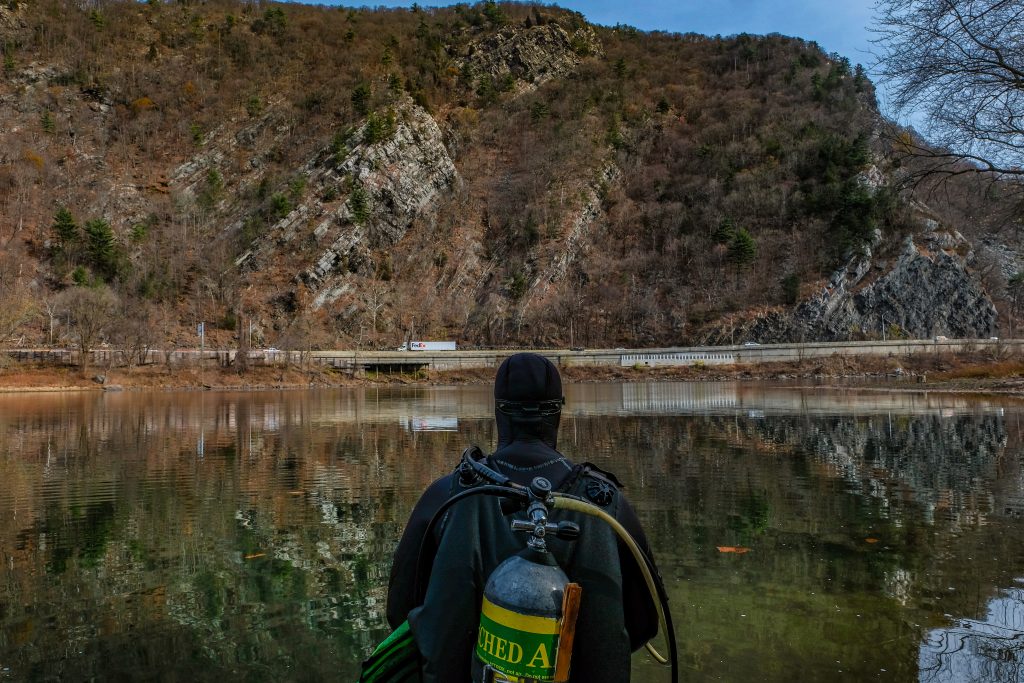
[{"x": 519, "y": 622}]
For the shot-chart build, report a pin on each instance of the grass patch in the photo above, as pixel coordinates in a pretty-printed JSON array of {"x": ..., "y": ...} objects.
[{"x": 990, "y": 370}]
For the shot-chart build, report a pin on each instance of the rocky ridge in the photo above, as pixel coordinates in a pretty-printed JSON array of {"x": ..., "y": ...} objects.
[
  {"x": 532, "y": 55},
  {"x": 400, "y": 179}
]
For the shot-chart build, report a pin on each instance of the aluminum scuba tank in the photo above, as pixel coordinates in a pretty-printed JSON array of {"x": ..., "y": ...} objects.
[{"x": 528, "y": 612}]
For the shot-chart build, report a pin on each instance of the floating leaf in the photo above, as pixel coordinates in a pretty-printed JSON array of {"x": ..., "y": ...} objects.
[
  {"x": 738, "y": 549},
  {"x": 253, "y": 556}
]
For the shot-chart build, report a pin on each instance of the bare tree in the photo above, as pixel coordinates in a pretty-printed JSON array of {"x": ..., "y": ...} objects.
[
  {"x": 1015, "y": 288},
  {"x": 960, "y": 63},
  {"x": 51, "y": 308},
  {"x": 375, "y": 298},
  {"x": 244, "y": 327},
  {"x": 138, "y": 330},
  {"x": 91, "y": 312},
  {"x": 17, "y": 304}
]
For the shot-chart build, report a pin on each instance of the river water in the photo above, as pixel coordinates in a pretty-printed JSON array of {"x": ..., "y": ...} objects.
[{"x": 803, "y": 534}]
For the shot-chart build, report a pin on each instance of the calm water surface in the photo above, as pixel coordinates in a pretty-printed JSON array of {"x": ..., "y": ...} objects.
[{"x": 810, "y": 535}]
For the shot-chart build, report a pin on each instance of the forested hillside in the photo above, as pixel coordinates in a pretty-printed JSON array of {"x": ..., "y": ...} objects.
[{"x": 495, "y": 174}]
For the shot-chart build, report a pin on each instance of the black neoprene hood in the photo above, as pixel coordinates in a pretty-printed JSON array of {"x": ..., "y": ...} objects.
[{"x": 527, "y": 377}]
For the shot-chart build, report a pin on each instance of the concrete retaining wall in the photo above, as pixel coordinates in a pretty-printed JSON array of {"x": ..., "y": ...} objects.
[{"x": 357, "y": 361}]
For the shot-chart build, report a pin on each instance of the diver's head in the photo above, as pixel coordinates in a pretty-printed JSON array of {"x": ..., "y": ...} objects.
[{"x": 527, "y": 399}]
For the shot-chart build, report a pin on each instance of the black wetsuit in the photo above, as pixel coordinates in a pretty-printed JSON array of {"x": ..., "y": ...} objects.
[{"x": 617, "y": 614}]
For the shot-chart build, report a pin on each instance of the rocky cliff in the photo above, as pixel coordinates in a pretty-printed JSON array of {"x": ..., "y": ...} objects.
[
  {"x": 927, "y": 291},
  {"x": 377, "y": 188}
]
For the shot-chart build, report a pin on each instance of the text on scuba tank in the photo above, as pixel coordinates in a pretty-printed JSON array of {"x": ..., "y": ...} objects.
[
  {"x": 510, "y": 651},
  {"x": 517, "y": 644},
  {"x": 540, "y": 658},
  {"x": 501, "y": 648}
]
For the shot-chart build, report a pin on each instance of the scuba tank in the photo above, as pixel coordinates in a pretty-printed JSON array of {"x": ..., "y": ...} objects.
[{"x": 528, "y": 612}]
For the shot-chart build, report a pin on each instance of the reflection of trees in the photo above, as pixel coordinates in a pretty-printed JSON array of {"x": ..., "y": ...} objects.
[
  {"x": 265, "y": 551},
  {"x": 806, "y": 493},
  {"x": 949, "y": 464}
]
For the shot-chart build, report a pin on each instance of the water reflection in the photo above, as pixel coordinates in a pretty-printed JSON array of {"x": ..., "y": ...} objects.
[
  {"x": 213, "y": 536},
  {"x": 986, "y": 649}
]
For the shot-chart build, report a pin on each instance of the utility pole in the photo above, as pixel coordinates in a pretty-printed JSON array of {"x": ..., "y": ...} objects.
[{"x": 201, "y": 329}]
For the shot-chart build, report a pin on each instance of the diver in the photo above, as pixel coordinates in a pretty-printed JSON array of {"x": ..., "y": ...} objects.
[{"x": 617, "y": 613}]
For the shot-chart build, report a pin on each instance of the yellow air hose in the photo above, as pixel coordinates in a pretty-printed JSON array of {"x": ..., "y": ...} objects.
[{"x": 569, "y": 503}]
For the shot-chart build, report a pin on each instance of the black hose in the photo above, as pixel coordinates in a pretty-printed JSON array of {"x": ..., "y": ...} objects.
[{"x": 673, "y": 651}]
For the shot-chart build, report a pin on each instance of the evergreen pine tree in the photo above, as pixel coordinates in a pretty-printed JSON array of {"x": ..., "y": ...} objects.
[
  {"x": 620, "y": 67},
  {"x": 102, "y": 248},
  {"x": 494, "y": 13},
  {"x": 725, "y": 231},
  {"x": 65, "y": 228},
  {"x": 359, "y": 204},
  {"x": 361, "y": 99},
  {"x": 742, "y": 248}
]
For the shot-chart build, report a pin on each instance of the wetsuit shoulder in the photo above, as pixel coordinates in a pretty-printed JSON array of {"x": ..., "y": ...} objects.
[{"x": 605, "y": 490}]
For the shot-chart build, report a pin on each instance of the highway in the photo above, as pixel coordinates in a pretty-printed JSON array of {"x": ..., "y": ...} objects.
[{"x": 744, "y": 354}]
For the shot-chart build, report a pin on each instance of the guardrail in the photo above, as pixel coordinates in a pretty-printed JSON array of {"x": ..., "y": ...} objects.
[{"x": 359, "y": 361}]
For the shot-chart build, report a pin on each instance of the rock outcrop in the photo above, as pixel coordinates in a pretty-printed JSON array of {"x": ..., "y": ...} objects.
[
  {"x": 386, "y": 185},
  {"x": 926, "y": 291},
  {"x": 533, "y": 55},
  {"x": 9, "y": 17}
]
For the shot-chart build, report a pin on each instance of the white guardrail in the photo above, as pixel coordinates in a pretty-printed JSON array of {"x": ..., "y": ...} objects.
[{"x": 450, "y": 360}]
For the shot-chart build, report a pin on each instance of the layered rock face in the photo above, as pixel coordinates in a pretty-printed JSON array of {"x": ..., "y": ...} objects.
[
  {"x": 364, "y": 197},
  {"x": 928, "y": 291},
  {"x": 533, "y": 55},
  {"x": 9, "y": 19},
  {"x": 389, "y": 184}
]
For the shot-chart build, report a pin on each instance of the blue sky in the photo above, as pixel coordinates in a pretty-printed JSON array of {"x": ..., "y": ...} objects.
[{"x": 838, "y": 26}]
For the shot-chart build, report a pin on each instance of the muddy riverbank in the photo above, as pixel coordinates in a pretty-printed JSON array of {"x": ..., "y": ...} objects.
[{"x": 964, "y": 372}]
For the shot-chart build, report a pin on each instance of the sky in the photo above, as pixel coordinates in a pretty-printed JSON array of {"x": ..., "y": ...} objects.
[{"x": 837, "y": 25}]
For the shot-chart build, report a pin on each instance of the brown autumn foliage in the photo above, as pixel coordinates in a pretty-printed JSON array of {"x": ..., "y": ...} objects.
[{"x": 708, "y": 140}]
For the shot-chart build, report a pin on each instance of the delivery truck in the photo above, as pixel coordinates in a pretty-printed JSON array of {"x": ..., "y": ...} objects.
[{"x": 428, "y": 346}]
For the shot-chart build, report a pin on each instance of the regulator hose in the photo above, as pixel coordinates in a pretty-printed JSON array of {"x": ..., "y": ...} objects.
[{"x": 566, "y": 502}]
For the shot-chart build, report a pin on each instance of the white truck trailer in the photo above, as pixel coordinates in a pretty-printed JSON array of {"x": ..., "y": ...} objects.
[{"x": 428, "y": 346}]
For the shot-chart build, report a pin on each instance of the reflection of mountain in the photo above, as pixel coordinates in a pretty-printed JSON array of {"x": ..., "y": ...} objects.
[
  {"x": 947, "y": 464},
  {"x": 953, "y": 465}
]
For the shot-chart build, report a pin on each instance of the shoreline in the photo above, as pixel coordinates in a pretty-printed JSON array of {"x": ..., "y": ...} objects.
[{"x": 960, "y": 373}]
